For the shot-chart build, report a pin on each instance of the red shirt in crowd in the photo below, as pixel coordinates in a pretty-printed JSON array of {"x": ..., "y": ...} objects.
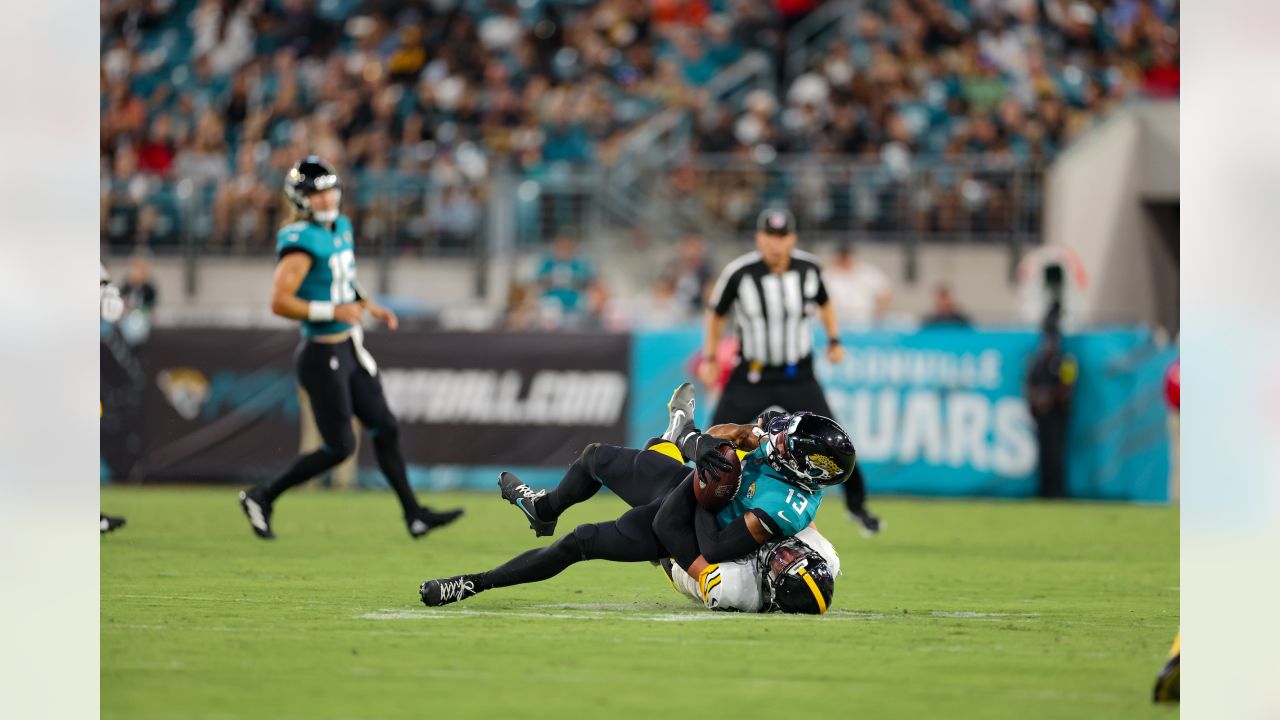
[
  {"x": 1162, "y": 81},
  {"x": 155, "y": 158}
]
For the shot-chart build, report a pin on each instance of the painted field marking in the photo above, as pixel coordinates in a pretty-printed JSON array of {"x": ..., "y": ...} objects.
[{"x": 590, "y": 611}]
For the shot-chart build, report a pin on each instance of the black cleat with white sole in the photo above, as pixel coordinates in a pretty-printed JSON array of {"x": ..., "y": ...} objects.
[
  {"x": 257, "y": 508},
  {"x": 426, "y": 520},
  {"x": 108, "y": 523},
  {"x": 444, "y": 591},
  {"x": 868, "y": 524},
  {"x": 524, "y": 498},
  {"x": 679, "y": 413}
]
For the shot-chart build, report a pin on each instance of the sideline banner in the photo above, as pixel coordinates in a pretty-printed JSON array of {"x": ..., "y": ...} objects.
[
  {"x": 942, "y": 412},
  {"x": 222, "y": 405},
  {"x": 933, "y": 412}
]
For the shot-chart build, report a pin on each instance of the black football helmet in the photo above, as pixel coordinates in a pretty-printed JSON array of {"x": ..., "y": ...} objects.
[
  {"x": 811, "y": 451},
  {"x": 797, "y": 580},
  {"x": 310, "y": 176}
]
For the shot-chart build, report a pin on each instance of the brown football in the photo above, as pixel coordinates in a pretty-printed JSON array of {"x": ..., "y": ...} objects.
[{"x": 715, "y": 490}]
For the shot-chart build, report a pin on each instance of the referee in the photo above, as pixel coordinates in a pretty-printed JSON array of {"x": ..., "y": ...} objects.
[{"x": 772, "y": 294}]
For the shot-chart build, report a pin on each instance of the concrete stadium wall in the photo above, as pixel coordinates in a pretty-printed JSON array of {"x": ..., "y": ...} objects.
[
  {"x": 977, "y": 274},
  {"x": 236, "y": 291},
  {"x": 1103, "y": 199}
]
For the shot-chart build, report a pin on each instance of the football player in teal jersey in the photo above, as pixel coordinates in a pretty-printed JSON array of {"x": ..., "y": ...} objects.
[
  {"x": 315, "y": 283},
  {"x": 783, "y": 481},
  {"x": 798, "y": 457}
]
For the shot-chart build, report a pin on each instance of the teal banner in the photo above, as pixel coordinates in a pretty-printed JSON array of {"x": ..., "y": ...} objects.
[{"x": 942, "y": 411}]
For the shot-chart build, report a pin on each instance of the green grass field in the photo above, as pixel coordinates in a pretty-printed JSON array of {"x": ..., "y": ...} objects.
[{"x": 960, "y": 610}]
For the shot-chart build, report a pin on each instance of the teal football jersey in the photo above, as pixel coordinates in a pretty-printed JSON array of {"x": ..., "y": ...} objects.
[
  {"x": 333, "y": 266},
  {"x": 763, "y": 488}
]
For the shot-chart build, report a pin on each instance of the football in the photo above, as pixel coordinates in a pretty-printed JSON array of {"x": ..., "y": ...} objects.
[{"x": 713, "y": 490}]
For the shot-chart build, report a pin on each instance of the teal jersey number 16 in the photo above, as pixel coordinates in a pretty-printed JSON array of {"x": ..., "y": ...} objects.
[{"x": 333, "y": 266}]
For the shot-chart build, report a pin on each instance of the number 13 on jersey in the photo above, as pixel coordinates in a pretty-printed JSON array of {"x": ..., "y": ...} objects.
[{"x": 799, "y": 505}]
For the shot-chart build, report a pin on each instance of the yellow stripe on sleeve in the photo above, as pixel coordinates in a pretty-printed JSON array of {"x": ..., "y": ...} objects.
[{"x": 703, "y": 578}]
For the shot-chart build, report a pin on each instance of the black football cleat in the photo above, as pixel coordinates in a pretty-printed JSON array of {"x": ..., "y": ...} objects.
[
  {"x": 444, "y": 591},
  {"x": 524, "y": 497},
  {"x": 426, "y": 520},
  {"x": 868, "y": 524},
  {"x": 107, "y": 523},
  {"x": 1169, "y": 682},
  {"x": 257, "y": 508},
  {"x": 679, "y": 413}
]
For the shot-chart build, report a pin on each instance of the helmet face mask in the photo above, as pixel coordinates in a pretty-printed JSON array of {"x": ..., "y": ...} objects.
[
  {"x": 310, "y": 176},
  {"x": 797, "y": 580},
  {"x": 812, "y": 452}
]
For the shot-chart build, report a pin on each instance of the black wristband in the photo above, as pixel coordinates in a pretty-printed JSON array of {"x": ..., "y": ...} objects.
[{"x": 833, "y": 340}]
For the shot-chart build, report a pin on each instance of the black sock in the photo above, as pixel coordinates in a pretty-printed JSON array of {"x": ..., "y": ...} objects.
[
  {"x": 386, "y": 445},
  {"x": 304, "y": 468},
  {"x": 577, "y": 485},
  {"x": 687, "y": 441},
  {"x": 532, "y": 566}
]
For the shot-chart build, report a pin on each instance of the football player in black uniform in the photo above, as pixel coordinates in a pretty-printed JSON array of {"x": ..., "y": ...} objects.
[{"x": 661, "y": 523}]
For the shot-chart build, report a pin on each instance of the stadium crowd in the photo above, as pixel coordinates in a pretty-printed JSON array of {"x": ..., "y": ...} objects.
[
  {"x": 920, "y": 107},
  {"x": 964, "y": 90},
  {"x": 205, "y": 103},
  {"x": 226, "y": 94}
]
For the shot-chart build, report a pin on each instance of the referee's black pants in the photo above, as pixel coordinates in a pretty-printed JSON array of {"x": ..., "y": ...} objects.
[
  {"x": 1051, "y": 434},
  {"x": 743, "y": 401}
]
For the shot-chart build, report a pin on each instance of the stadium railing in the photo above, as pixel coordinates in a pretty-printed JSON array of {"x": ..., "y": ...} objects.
[{"x": 836, "y": 199}]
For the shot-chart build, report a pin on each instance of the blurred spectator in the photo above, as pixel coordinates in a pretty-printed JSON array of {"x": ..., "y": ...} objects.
[
  {"x": 242, "y": 205},
  {"x": 563, "y": 275},
  {"x": 691, "y": 274},
  {"x": 522, "y": 308},
  {"x": 603, "y": 311},
  {"x": 860, "y": 292},
  {"x": 156, "y": 152},
  {"x": 139, "y": 295},
  {"x": 945, "y": 311},
  {"x": 454, "y": 216},
  {"x": 138, "y": 291},
  {"x": 663, "y": 307}
]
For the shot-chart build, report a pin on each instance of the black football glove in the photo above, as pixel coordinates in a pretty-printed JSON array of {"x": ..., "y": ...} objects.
[{"x": 710, "y": 462}]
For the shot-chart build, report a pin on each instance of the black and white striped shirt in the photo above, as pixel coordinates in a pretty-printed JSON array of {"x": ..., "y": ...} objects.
[{"x": 772, "y": 312}]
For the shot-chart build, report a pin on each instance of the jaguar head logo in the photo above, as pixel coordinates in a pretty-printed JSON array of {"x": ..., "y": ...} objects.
[
  {"x": 186, "y": 389},
  {"x": 824, "y": 464}
]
